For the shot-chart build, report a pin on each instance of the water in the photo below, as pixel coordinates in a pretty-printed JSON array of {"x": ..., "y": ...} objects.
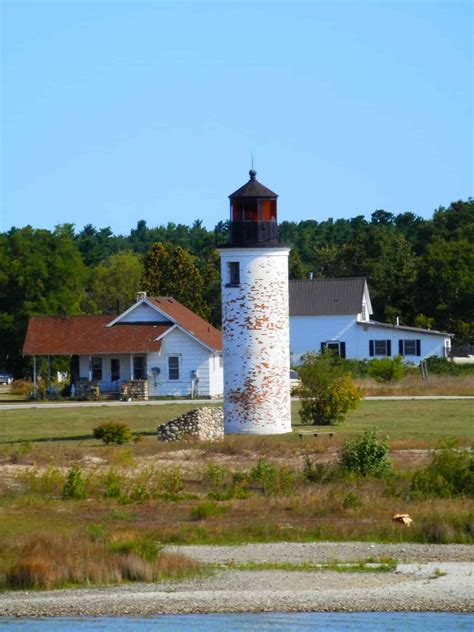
[{"x": 265, "y": 622}]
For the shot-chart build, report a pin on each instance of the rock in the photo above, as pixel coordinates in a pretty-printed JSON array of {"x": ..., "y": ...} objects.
[{"x": 203, "y": 424}]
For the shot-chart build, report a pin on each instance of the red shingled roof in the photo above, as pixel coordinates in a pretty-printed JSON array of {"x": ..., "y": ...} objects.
[
  {"x": 188, "y": 320},
  {"x": 85, "y": 335}
]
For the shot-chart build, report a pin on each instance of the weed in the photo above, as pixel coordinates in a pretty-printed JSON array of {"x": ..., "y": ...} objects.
[
  {"x": 74, "y": 487},
  {"x": 21, "y": 451},
  {"x": 351, "y": 500},
  {"x": 206, "y": 510},
  {"x": 171, "y": 483},
  {"x": 113, "y": 485}
]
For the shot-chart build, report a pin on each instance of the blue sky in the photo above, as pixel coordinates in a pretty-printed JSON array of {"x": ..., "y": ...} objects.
[{"x": 115, "y": 111}]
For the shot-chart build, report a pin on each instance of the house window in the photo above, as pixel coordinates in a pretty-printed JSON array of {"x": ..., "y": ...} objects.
[
  {"x": 96, "y": 366},
  {"x": 138, "y": 368},
  {"x": 335, "y": 347},
  {"x": 409, "y": 347},
  {"x": 114, "y": 369},
  {"x": 234, "y": 272},
  {"x": 173, "y": 367},
  {"x": 380, "y": 348}
]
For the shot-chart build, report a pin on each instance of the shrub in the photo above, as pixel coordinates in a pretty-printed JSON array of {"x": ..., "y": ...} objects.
[
  {"x": 22, "y": 388},
  {"x": 74, "y": 486},
  {"x": 442, "y": 366},
  {"x": 366, "y": 455},
  {"x": 113, "y": 432},
  {"x": 387, "y": 369},
  {"x": 327, "y": 391},
  {"x": 450, "y": 473}
]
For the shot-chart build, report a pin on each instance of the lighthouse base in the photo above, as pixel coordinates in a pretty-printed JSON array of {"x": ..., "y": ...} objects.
[{"x": 234, "y": 429}]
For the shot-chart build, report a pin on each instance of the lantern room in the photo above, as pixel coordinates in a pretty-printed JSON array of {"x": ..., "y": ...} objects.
[{"x": 253, "y": 215}]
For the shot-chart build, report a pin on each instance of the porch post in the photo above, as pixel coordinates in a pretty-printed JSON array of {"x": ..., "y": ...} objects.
[
  {"x": 131, "y": 366},
  {"x": 90, "y": 368},
  {"x": 35, "y": 382},
  {"x": 49, "y": 372}
]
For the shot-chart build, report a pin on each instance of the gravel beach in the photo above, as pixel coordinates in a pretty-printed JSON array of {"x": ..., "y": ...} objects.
[{"x": 428, "y": 578}]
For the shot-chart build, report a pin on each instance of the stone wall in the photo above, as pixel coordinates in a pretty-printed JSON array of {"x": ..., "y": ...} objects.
[
  {"x": 134, "y": 389},
  {"x": 203, "y": 424}
]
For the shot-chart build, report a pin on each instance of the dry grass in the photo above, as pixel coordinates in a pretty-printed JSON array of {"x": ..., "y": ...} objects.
[
  {"x": 414, "y": 385},
  {"x": 47, "y": 561}
]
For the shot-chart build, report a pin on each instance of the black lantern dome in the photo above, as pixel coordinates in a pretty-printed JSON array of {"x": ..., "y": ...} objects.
[{"x": 253, "y": 215}]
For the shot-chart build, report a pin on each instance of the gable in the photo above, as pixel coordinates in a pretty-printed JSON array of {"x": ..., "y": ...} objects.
[{"x": 142, "y": 312}]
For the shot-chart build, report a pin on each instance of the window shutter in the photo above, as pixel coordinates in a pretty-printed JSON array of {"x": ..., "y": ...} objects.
[
  {"x": 400, "y": 347},
  {"x": 418, "y": 347},
  {"x": 389, "y": 347},
  {"x": 324, "y": 346},
  {"x": 342, "y": 347},
  {"x": 371, "y": 348}
]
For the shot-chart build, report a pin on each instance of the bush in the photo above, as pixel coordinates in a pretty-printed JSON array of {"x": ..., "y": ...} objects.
[
  {"x": 113, "y": 432},
  {"x": 327, "y": 391},
  {"x": 442, "y": 366},
  {"x": 366, "y": 455},
  {"x": 450, "y": 473},
  {"x": 387, "y": 369},
  {"x": 74, "y": 486}
]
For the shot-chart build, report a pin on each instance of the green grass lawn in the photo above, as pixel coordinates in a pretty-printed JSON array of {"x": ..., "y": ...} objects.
[{"x": 410, "y": 420}]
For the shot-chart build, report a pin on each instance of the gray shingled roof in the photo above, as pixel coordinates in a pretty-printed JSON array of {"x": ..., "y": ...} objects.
[{"x": 328, "y": 297}]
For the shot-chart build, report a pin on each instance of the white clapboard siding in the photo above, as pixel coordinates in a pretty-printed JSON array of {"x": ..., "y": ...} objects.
[
  {"x": 216, "y": 375},
  {"x": 143, "y": 313},
  {"x": 308, "y": 332},
  {"x": 193, "y": 357}
]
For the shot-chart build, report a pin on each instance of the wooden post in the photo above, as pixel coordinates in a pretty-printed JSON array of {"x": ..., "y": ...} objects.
[{"x": 35, "y": 382}]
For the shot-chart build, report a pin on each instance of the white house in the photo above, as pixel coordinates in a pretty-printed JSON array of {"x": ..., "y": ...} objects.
[
  {"x": 335, "y": 314},
  {"x": 157, "y": 340}
]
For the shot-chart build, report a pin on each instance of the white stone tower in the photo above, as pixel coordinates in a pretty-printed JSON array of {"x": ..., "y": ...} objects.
[{"x": 254, "y": 274}]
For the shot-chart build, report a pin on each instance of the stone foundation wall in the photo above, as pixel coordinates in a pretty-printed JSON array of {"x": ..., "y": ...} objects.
[
  {"x": 134, "y": 389},
  {"x": 203, "y": 424}
]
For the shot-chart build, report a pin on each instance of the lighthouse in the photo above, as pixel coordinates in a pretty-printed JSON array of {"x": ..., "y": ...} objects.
[{"x": 255, "y": 321}]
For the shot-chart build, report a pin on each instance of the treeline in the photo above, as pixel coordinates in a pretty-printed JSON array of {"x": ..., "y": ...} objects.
[{"x": 418, "y": 269}]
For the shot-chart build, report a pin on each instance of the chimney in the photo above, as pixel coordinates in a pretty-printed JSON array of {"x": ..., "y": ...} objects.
[
  {"x": 310, "y": 276},
  {"x": 141, "y": 296},
  {"x": 397, "y": 321}
]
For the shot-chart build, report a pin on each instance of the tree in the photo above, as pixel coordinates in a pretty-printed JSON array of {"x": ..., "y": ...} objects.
[
  {"x": 41, "y": 272},
  {"x": 114, "y": 283},
  {"x": 171, "y": 271},
  {"x": 328, "y": 391}
]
